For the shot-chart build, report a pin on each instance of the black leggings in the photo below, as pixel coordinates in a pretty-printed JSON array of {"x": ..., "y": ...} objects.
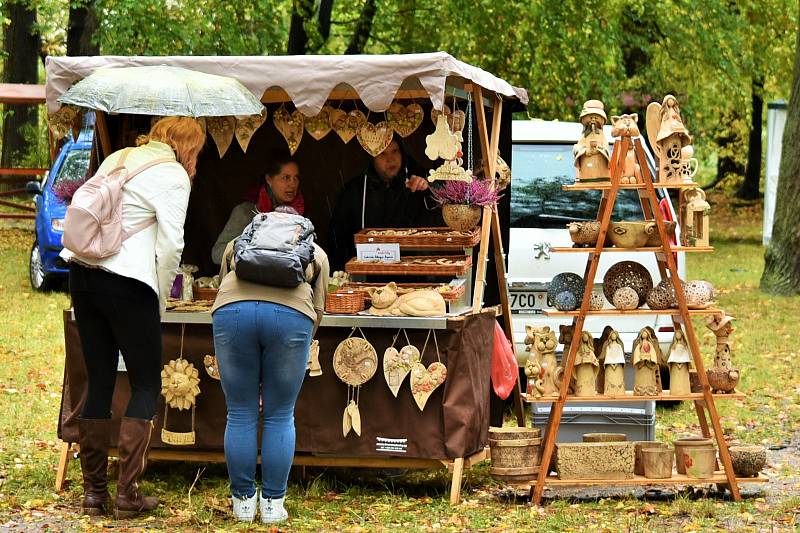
[{"x": 117, "y": 314}]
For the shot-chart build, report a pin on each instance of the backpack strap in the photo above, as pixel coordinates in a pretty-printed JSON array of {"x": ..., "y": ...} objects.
[{"x": 147, "y": 223}]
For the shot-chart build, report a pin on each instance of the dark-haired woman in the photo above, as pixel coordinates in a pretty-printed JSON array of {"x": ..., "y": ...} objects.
[{"x": 281, "y": 188}]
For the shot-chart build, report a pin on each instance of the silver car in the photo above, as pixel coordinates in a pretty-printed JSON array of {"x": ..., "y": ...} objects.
[{"x": 542, "y": 162}]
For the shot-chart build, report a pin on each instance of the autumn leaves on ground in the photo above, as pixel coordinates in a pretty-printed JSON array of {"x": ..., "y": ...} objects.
[{"x": 195, "y": 495}]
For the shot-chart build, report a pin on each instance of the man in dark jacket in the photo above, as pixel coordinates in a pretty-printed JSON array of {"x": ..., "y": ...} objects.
[{"x": 387, "y": 195}]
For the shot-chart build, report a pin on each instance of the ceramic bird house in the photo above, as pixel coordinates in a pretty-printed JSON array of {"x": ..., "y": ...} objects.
[
  {"x": 668, "y": 137},
  {"x": 591, "y": 154},
  {"x": 694, "y": 218}
]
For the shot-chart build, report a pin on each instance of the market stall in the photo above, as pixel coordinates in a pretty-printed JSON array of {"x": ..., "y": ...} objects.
[{"x": 447, "y": 424}]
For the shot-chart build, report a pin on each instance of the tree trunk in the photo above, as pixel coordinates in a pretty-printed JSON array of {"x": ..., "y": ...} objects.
[
  {"x": 81, "y": 28},
  {"x": 302, "y": 11},
  {"x": 324, "y": 18},
  {"x": 22, "y": 47},
  {"x": 782, "y": 259},
  {"x": 408, "y": 24},
  {"x": 752, "y": 176},
  {"x": 363, "y": 28}
]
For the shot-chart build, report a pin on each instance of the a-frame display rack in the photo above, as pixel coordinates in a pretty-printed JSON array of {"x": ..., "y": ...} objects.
[{"x": 681, "y": 318}]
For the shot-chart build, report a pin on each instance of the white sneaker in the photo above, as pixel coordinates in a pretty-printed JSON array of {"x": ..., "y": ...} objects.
[
  {"x": 272, "y": 510},
  {"x": 244, "y": 509}
]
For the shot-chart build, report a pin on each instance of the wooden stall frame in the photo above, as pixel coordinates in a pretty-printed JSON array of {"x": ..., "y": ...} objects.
[{"x": 490, "y": 228}]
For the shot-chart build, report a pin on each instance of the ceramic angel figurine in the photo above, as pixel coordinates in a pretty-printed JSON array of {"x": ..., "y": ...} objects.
[
  {"x": 591, "y": 154},
  {"x": 551, "y": 373},
  {"x": 586, "y": 367},
  {"x": 598, "y": 350},
  {"x": 647, "y": 380},
  {"x": 613, "y": 358},
  {"x": 679, "y": 360},
  {"x": 671, "y": 141}
]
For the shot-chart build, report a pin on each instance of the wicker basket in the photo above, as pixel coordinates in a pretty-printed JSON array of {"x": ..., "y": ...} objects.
[
  {"x": 344, "y": 303},
  {"x": 204, "y": 293},
  {"x": 409, "y": 267},
  {"x": 421, "y": 238}
]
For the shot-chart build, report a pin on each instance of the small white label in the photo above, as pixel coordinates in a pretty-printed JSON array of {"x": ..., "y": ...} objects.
[
  {"x": 382, "y": 444},
  {"x": 381, "y": 252}
]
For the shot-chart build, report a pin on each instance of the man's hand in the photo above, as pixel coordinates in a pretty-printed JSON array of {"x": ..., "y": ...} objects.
[{"x": 416, "y": 184}]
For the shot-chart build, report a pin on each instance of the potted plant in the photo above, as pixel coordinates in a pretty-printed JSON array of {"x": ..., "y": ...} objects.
[
  {"x": 65, "y": 189},
  {"x": 462, "y": 202}
]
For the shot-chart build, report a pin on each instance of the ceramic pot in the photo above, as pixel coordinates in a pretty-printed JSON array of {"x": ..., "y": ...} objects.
[
  {"x": 657, "y": 462},
  {"x": 655, "y": 239},
  {"x": 699, "y": 461},
  {"x": 604, "y": 437},
  {"x": 638, "y": 466},
  {"x": 584, "y": 233},
  {"x": 748, "y": 461},
  {"x": 461, "y": 217},
  {"x": 685, "y": 443},
  {"x": 722, "y": 379},
  {"x": 631, "y": 234}
]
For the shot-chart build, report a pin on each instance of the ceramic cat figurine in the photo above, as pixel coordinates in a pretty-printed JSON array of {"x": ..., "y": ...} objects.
[
  {"x": 625, "y": 126},
  {"x": 386, "y": 302},
  {"x": 551, "y": 373},
  {"x": 533, "y": 366}
]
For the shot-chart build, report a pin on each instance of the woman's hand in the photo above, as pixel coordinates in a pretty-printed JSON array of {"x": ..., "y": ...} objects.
[{"x": 416, "y": 184}]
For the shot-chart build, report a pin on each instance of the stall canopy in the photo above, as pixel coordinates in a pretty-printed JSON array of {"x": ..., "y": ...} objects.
[{"x": 308, "y": 80}]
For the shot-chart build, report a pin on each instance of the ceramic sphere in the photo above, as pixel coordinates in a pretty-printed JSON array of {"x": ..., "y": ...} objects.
[
  {"x": 596, "y": 301},
  {"x": 698, "y": 293},
  {"x": 625, "y": 299},
  {"x": 565, "y": 301}
]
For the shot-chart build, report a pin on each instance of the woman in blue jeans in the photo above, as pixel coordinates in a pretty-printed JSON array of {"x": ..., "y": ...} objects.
[{"x": 262, "y": 336}]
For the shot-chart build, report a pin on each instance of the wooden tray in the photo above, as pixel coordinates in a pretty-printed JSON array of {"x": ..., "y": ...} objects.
[
  {"x": 450, "y": 295},
  {"x": 409, "y": 265},
  {"x": 420, "y": 238}
]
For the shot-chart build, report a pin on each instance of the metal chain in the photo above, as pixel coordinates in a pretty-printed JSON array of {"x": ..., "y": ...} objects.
[{"x": 469, "y": 131}]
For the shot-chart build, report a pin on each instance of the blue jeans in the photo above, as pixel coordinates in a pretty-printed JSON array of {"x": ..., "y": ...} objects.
[{"x": 262, "y": 350}]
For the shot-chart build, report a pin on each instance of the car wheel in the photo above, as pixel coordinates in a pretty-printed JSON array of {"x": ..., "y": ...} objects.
[{"x": 39, "y": 279}]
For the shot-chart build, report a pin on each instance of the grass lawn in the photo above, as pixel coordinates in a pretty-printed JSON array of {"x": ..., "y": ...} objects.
[{"x": 195, "y": 495}]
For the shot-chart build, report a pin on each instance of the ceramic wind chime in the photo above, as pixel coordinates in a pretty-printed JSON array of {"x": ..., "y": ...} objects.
[
  {"x": 679, "y": 360},
  {"x": 591, "y": 154},
  {"x": 397, "y": 364},
  {"x": 671, "y": 141},
  {"x": 723, "y": 376},
  {"x": 645, "y": 359},
  {"x": 425, "y": 380},
  {"x": 445, "y": 143},
  {"x": 180, "y": 386},
  {"x": 612, "y": 356},
  {"x": 586, "y": 367},
  {"x": 354, "y": 362}
]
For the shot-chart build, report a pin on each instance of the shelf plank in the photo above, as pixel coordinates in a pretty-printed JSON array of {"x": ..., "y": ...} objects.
[
  {"x": 407, "y": 267},
  {"x": 600, "y": 186},
  {"x": 676, "y": 479},
  {"x": 630, "y": 397},
  {"x": 570, "y": 249},
  {"x": 617, "y": 312}
]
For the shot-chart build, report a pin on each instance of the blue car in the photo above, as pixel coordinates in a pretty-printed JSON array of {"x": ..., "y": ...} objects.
[{"x": 47, "y": 270}]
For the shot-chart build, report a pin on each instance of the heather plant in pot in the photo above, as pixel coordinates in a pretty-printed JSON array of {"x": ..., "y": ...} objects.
[
  {"x": 65, "y": 189},
  {"x": 463, "y": 202}
]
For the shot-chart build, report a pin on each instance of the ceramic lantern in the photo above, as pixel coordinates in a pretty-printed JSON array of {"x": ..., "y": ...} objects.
[
  {"x": 586, "y": 367},
  {"x": 647, "y": 380},
  {"x": 591, "y": 154},
  {"x": 613, "y": 359},
  {"x": 679, "y": 360},
  {"x": 694, "y": 218}
]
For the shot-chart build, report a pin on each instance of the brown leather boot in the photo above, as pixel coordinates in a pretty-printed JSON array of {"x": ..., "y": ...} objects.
[
  {"x": 134, "y": 443},
  {"x": 94, "y": 439}
]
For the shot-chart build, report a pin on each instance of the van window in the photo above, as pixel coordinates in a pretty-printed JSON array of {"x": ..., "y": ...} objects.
[
  {"x": 537, "y": 201},
  {"x": 75, "y": 166}
]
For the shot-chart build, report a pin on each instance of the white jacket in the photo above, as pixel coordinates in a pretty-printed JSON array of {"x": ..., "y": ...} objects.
[{"x": 152, "y": 255}]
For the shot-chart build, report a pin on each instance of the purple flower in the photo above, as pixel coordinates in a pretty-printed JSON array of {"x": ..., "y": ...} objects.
[{"x": 477, "y": 193}]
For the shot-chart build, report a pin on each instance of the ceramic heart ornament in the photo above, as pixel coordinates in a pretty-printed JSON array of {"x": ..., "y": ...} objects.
[
  {"x": 290, "y": 126},
  {"x": 397, "y": 365},
  {"x": 319, "y": 125},
  {"x": 247, "y": 126},
  {"x": 346, "y": 125},
  {"x": 425, "y": 380},
  {"x": 375, "y": 138},
  {"x": 405, "y": 119},
  {"x": 221, "y": 130}
]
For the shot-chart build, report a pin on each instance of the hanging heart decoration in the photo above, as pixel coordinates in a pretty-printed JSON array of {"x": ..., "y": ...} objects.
[
  {"x": 222, "y": 131},
  {"x": 397, "y": 365},
  {"x": 405, "y": 119},
  {"x": 375, "y": 138},
  {"x": 442, "y": 143},
  {"x": 426, "y": 380},
  {"x": 290, "y": 126},
  {"x": 247, "y": 126},
  {"x": 346, "y": 125},
  {"x": 319, "y": 125}
]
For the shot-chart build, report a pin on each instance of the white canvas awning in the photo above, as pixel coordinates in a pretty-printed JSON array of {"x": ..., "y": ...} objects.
[{"x": 308, "y": 80}]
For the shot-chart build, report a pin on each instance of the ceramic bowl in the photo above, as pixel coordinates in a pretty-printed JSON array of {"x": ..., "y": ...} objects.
[
  {"x": 688, "y": 442},
  {"x": 748, "y": 461},
  {"x": 631, "y": 234}
]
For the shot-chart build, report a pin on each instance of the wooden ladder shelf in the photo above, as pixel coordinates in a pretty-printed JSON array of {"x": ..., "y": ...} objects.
[{"x": 681, "y": 317}]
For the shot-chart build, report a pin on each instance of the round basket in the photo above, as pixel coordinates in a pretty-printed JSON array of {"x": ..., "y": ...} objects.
[
  {"x": 204, "y": 293},
  {"x": 344, "y": 303}
]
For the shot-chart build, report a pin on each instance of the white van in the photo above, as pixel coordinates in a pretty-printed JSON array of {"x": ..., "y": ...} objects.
[{"x": 541, "y": 163}]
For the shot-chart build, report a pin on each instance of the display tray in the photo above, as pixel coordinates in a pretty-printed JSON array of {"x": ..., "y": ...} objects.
[
  {"x": 410, "y": 265},
  {"x": 420, "y": 238},
  {"x": 449, "y": 292}
]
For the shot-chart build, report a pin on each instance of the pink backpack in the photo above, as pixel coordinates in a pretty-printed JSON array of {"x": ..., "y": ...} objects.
[{"x": 93, "y": 224}]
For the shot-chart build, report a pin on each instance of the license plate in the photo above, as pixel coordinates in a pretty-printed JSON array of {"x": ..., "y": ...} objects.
[{"x": 527, "y": 300}]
